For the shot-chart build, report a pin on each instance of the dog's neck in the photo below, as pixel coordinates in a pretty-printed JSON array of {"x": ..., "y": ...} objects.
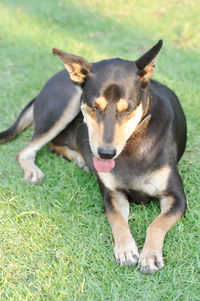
[{"x": 145, "y": 116}]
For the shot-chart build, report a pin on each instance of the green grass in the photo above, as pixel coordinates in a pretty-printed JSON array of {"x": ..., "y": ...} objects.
[{"x": 55, "y": 242}]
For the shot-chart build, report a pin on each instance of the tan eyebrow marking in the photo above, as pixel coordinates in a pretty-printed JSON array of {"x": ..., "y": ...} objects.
[
  {"x": 122, "y": 105},
  {"x": 101, "y": 103}
]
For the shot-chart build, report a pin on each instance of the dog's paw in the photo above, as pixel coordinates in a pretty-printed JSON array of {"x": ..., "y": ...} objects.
[
  {"x": 80, "y": 162},
  {"x": 127, "y": 253},
  {"x": 150, "y": 261},
  {"x": 33, "y": 175},
  {"x": 85, "y": 168}
]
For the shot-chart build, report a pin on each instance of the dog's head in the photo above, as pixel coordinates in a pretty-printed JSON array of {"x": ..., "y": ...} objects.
[{"x": 114, "y": 100}]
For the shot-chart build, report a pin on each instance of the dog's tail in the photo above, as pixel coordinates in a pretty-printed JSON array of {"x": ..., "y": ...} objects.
[{"x": 24, "y": 119}]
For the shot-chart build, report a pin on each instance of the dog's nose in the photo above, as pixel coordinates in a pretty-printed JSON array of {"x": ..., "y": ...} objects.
[{"x": 106, "y": 152}]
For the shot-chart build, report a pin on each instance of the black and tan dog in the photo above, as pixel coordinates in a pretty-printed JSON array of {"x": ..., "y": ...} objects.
[{"x": 112, "y": 119}]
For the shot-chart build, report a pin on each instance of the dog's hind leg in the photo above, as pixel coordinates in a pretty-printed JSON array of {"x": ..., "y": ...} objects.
[
  {"x": 69, "y": 154},
  {"x": 26, "y": 157}
]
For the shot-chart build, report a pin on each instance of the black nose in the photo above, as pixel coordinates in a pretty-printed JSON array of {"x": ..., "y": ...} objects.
[{"x": 106, "y": 152}]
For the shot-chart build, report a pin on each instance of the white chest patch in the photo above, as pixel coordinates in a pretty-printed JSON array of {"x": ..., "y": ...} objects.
[
  {"x": 108, "y": 180},
  {"x": 153, "y": 183}
]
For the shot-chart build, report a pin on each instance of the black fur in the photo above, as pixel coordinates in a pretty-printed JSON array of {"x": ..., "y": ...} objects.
[
  {"x": 54, "y": 97},
  {"x": 160, "y": 143}
]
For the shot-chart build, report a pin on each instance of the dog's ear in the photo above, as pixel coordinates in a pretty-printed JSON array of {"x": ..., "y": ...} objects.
[
  {"x": 146, "y": 63},
  {"x": 77, "y": 66}
]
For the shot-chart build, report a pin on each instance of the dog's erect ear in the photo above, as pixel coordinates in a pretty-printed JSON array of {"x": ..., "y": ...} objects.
[
  {"x": 77, "y": 66},
  {"x": 146, "y": 63}
]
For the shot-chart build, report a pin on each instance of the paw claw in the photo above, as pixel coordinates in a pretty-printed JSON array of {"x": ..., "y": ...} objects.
[
  {"x": 129, "y": 262},
  {"x": 135, "y": 257},
  {"x": 150, "y": 261},
  {"x": 34, "y": 175},
  {"x": 127, "y": 254},
  {"x": 159, "y": 264},
  {"x": 145, "y": 269},
  {"x": 118, "y": 260},
  {"x": 124, "y": 263}
]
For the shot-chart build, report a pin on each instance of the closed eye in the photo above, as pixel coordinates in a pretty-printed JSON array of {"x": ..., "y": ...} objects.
[
  {"x": 125, "y": 107},
  {"x": 97, "y": 109}
]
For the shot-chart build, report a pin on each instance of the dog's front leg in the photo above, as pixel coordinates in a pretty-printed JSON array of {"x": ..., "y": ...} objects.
[
  {"x": 173, "y": 207},
  {"x": 116, "y": 207}
]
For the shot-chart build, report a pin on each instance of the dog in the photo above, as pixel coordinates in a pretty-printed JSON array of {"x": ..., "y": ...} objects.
[{"x": 112, "y": 119}]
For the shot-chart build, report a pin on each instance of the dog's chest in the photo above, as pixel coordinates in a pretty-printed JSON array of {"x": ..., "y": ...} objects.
[{"x": 151, "y": 184}]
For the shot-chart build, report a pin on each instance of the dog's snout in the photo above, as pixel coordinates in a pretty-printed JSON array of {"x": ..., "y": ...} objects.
[{"x": 106, "y": 152}]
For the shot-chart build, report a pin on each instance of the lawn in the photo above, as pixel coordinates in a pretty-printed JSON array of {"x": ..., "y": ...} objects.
[{"x": 55, "y": 242}]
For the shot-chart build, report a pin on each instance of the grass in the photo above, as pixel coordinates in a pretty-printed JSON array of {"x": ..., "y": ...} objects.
[{"x": 55, "y": 241}]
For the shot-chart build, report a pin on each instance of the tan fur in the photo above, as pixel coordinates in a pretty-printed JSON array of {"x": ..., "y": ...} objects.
[
  {"x": 157, "y": 180},
  {"x": 151, "y": 255},
  {"x": 109, "y": 180},
  {"x": 125, "y": 246},
  {"x": 165, "y": 203},
  {"x": 142, "y": 125},
  {"x": 95, "y": 129},
  {"x": 26, "y": 119},
  {"x": 121, "y": 204},
  {"x": 101, "y": 102},
  {"x": 64, "y": 151},
  {"x": 148, "y": 71},
  {"x": 26, "y": 157},
  {"x": 122, "y": 131},
  {"x": 122, "y": 105},
  {"x": 159, "y": 227},
  {"x": 74, "y": 65},
  {"x": 75, "y": 72},
  {"x": 153, "y": 183},
  {"x": 70, "y": 154}
]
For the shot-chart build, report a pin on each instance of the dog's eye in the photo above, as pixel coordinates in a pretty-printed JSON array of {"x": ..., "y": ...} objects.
[
  {"x": 127, "y": 110},
  {"x": 97, "y": 109},
  {"x": 130, "y": 107}
]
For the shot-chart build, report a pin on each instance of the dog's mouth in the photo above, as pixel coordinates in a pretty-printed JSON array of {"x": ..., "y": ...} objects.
[{"x": 103, "y": 165}]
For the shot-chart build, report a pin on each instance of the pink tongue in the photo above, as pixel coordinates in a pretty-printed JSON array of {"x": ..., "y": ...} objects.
[{"x": 103, "y": 165}]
